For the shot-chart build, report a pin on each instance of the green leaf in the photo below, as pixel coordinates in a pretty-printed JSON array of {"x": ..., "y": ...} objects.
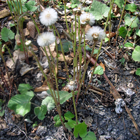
[
  {"x": 90, "y": 136},
  {"x": 2, "y": 113},
  {"x": 35, "y": 124},
  {"x": 120, "y": 3},
  {"x": 73, "y": 5},
  {"x": 131, "y": 7},
  {"x": 136, "y": 54},
  {"x": 1, "y": 102},
  {"x": 7, "y": 34},
  {"x": 122, "y": 60},
  {"x": 99, "y": 70},
  {"x": 133, "y": 21},
  {"x": 138, "y": 72},
  {"x": 30, "y": 5},
  {"x": 58, "y": 121},
  {"x": 64, "y": 95},
  {"x": 12, "y": 25},
  {"x": 80, "y": 129},
  {"x": 71, "y": 123},
  {"x": 106, "y": 39},
  {"x": 128, "y": 44},
  {"x": 88, "y": 48},
  {"x": 66, "y": 45},
  {"x": 20, "y": 103},
  {"x": 138, "y": 32},
  {"x": 122, "y": 32},
  {"x": 99, "y": 10},
  {"x": 49, "y": 102},
  {"x": 40, "y": 112},
  {"x": 95, "y": 51},
  {"x": 67, "y": 126},
  {"x": 68, "y": 115},
  {"x": 22, "y": 88},
  {"x": 75, "y": 1}
]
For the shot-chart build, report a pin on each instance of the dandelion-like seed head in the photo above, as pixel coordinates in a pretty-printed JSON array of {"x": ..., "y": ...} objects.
[
  {"x": 48, "y": 16},
  {"x": 45, "y": 39},
  {"x": 72, "y": 85},
  {"x": 87, "y": 18},
  {"x": 78, "y": 10},
  {"x": 95, "y": 33}
]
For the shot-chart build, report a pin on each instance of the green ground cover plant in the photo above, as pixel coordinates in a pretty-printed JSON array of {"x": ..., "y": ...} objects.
[{"x": 95, "y": 13}]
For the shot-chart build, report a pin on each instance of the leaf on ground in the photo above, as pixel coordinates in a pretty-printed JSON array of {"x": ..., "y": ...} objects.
[
  {"x": 21, "y": 103},
  {"x": 31, "y": 28},
  {"x": 22, "y": 88},
  {"x": 131, "y": 7},
  {"x": 120, "y": 3},
  {"x": 71, "y": 123},
  {"x": 49, "y": 102},
  {"x": 136, "y": 54},
  {"x": 128, "y": 44},
  {"x": 64, "y": 95},
  {"x": 99, "y": 70},
  {"x": 80, "y": 129},
  {"x": 66, "y": 45},
  {"x": 90, "y": 136},
  {"x": 58, "y": 121},
  {"x": 68, "y": 115},
  {"x": 40, "y": 112},
  {"x": 138, "y": 71},
  {"x": 99, "y": 10},
  {"x": 4, "y": 13},
  {"x": 138, "y": 32},
  {"x": 133, "y": 21},
  {"x": 30, "y": 5},
  {"x": 122, "y": 32},
  {"x": 7, "y": 34}
]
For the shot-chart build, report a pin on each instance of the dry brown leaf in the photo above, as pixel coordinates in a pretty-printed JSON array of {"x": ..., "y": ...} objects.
[
  {"x": 88, "y": 121},
  {"x": 63, "y": 78},
  {"x": 42, "y": 88},
  {"x": 2, "y": 124},
  {"x": 31, "y": 28},
  {"x": 102, "y": 65},
  {"x": 10, "y": 63},
  {"x": 25, "y": 69},
  {"x": 52, "y": 48},
  {"x": 26, "y": 32},
  {"x": 112, "y": 34},
  {"x": 17, "y": 38},
  {"x": 4, "y": 13},
  {"x": 68, "y": 59},
  {"x": 20, "y": 55}
]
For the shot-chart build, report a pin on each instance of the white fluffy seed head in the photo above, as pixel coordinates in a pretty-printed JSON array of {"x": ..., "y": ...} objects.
[
  {"x": 95, "y": 33},
  {"x": 87, "y": 17},
  {"x": 48, "y": 16},
  {"x": 72, "y": 85},
  {"x": 45, "y": 39}
]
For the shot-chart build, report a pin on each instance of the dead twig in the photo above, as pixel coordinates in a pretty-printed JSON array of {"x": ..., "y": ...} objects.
[{"x": 133, "y": 120}]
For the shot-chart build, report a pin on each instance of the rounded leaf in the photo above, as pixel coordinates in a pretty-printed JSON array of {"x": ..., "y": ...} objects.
[
  {"x": 99, "y": 70},
  {"x": 138, "y": 71},
  {"x": 122, "y": 32},
  {"x": 136, "y": 54},
  {"x": 131, "y": 7},
  {"x": 40, "y": 112},
  {"x": 133, "y": 21},
  {"x": 21, "y": 103}
]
